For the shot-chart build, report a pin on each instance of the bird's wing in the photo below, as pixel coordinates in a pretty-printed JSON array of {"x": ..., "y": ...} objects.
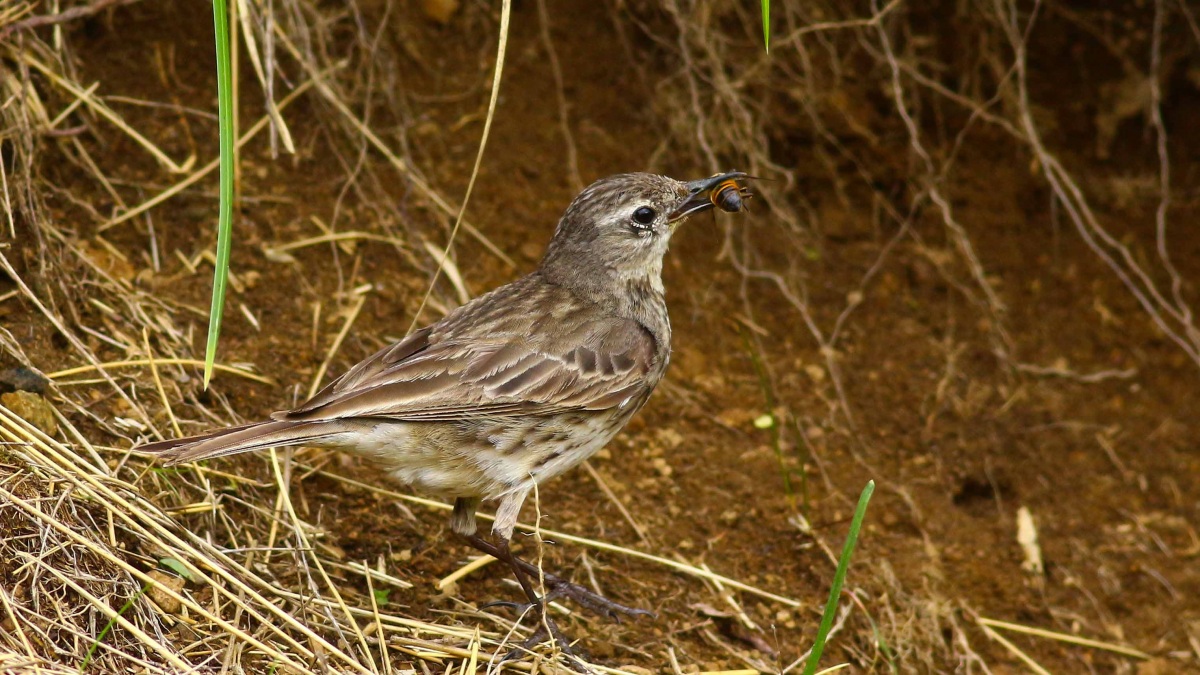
[{"x": 599, "y": 364}]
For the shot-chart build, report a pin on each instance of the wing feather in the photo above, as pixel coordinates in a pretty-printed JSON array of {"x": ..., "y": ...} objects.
[{"x": 424, "y": 378}]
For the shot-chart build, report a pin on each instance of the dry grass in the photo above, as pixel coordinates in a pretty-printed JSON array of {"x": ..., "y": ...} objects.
[
  {"x": 100, "y": 568},
  {"x": 95, "y": 536},
  {"x": 111, "y": 564}
]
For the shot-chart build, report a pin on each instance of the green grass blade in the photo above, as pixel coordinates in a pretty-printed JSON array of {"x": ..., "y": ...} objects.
[
  {"x": 225, "y": 217},
  {"x": 838, "y": 578},
  {"x": 766, "y": 14},
  {"x": 91, "y": 652},
  {"x": 177, "y": 567}
]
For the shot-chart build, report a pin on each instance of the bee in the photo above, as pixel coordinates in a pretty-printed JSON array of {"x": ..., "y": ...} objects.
[{"x": 729, "y": 196}]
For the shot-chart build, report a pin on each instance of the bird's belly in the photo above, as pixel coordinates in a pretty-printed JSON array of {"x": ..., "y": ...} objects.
[
  {"x": 478, "y": 459},
  {"x": 558, "y": 444},
  {"x": 416, "y": 455}
]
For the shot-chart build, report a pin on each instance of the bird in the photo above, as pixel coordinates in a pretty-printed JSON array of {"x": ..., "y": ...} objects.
[{"x": 518, "y": 385}]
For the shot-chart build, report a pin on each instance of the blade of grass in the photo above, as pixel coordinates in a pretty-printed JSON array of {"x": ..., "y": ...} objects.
[
  {"x": 87, "y": 659},
  {"x": 225, "y": 211},
  {"x": 806, "y": 457},
  {"x": 766, "y": 16},
  {"x": 839, "y": 577},
  {"x": 881, "y": 643}
]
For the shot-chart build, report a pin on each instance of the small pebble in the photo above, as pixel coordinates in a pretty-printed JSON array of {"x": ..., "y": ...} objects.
[
  {"x": 161, "y": 597},
  {"x": 440, "y": 11},
  {"x": 33, "y": 409},
  {"x": 22, "y": 379}
]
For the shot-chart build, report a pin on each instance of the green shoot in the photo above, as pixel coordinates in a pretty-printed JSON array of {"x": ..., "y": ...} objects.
[
  {"x": 87, "y": 659},
  {"x": 225, "y": 217},
  {"x": 766, "y": 16},
  {"x": 177, "y": 567},
  {"x": 381, "y": 595},
  {"x": 839, "y": 577},
  {"x": 805, "y": 452},
  {"x": 883, "y": 646}
]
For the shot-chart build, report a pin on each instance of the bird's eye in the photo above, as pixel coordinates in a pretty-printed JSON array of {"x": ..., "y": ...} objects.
[{"x": 644, "y": 215}]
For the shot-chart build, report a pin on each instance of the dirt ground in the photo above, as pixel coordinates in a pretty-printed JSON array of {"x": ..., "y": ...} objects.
[{"x": 968, "y": 351}]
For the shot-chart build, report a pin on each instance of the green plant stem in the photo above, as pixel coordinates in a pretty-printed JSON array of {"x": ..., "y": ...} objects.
[
  {"x": 225, "y": 210},
  {"x": 87, "y": 659},
  {"x": 839, "y": 577},
  {"x": 766, "y": 19}
]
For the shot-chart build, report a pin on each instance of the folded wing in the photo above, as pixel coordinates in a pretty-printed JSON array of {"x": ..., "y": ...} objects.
[{"x": 598, "y": 365}]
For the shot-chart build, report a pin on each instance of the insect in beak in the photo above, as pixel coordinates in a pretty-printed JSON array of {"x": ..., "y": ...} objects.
[
  {"x": 730, "y": 196},
  {"x": 724, "y": 191}
]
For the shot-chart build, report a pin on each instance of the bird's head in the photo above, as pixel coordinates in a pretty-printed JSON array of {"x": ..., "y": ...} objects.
[{"x": 619, "y": 227}]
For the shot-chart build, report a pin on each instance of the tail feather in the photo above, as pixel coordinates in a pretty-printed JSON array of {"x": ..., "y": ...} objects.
[{"x": 234, "y": 440}]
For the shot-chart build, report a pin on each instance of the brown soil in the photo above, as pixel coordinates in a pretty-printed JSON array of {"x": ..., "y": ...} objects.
[{"x": 957, "y": 437}]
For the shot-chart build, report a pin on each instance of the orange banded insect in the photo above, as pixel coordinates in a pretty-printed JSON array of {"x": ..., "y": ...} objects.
[{"x": 730, "y": 196}]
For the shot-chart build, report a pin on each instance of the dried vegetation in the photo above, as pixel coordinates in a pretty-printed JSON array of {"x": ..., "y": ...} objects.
[{"x": 869, "y": 124}]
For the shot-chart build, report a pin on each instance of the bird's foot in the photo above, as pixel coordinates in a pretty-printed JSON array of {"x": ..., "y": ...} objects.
[
  {"x": 548, "y": 629},
  {"x": 557, "y": 587}
]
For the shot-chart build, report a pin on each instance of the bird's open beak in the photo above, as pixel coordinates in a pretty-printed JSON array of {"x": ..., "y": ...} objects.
[{"x": 700, "y": 194}]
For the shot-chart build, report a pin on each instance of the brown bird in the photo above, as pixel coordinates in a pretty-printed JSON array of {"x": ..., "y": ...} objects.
[{"x": 520, "y": 384}]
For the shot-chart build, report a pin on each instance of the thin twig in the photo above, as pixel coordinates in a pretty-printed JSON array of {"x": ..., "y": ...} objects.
[{"x": 73, "y": 14}]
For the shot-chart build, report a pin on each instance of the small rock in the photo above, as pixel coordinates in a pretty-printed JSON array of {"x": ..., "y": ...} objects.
[
  {"x": 1158, "y": 666},
  {"x": 532, "y": 250},
  {"x": 161, "y": 597},
  {"x": 33, "y": 409},
  {"x": 23, "y": 379},
  {"x": 669, "y": 438},
  {"x": 440, "y": 11},
  {"x": 602, "y": 649},
  {"x": 108, "y": 260},
  {"x": 661, "y": 466}
]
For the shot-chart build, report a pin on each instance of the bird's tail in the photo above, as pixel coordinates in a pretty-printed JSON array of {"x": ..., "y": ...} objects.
[{"x": 234, "y": 440}]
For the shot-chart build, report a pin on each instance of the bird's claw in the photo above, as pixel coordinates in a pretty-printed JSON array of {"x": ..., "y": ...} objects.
[
  {"x": 556, "y": 588},
  {"x": 592, "y": 601},
  {"x": 519, "y": 607},
  {"x": 547, "y": 628}
]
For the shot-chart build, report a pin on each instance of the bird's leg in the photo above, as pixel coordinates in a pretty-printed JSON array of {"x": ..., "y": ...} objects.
[
  {"x": 546, "y": 626},
  {"x": 463, "y": 523}
]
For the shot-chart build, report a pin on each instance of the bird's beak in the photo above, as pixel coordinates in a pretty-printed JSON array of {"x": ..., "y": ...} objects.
[{"x": 700, "y": 194}]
